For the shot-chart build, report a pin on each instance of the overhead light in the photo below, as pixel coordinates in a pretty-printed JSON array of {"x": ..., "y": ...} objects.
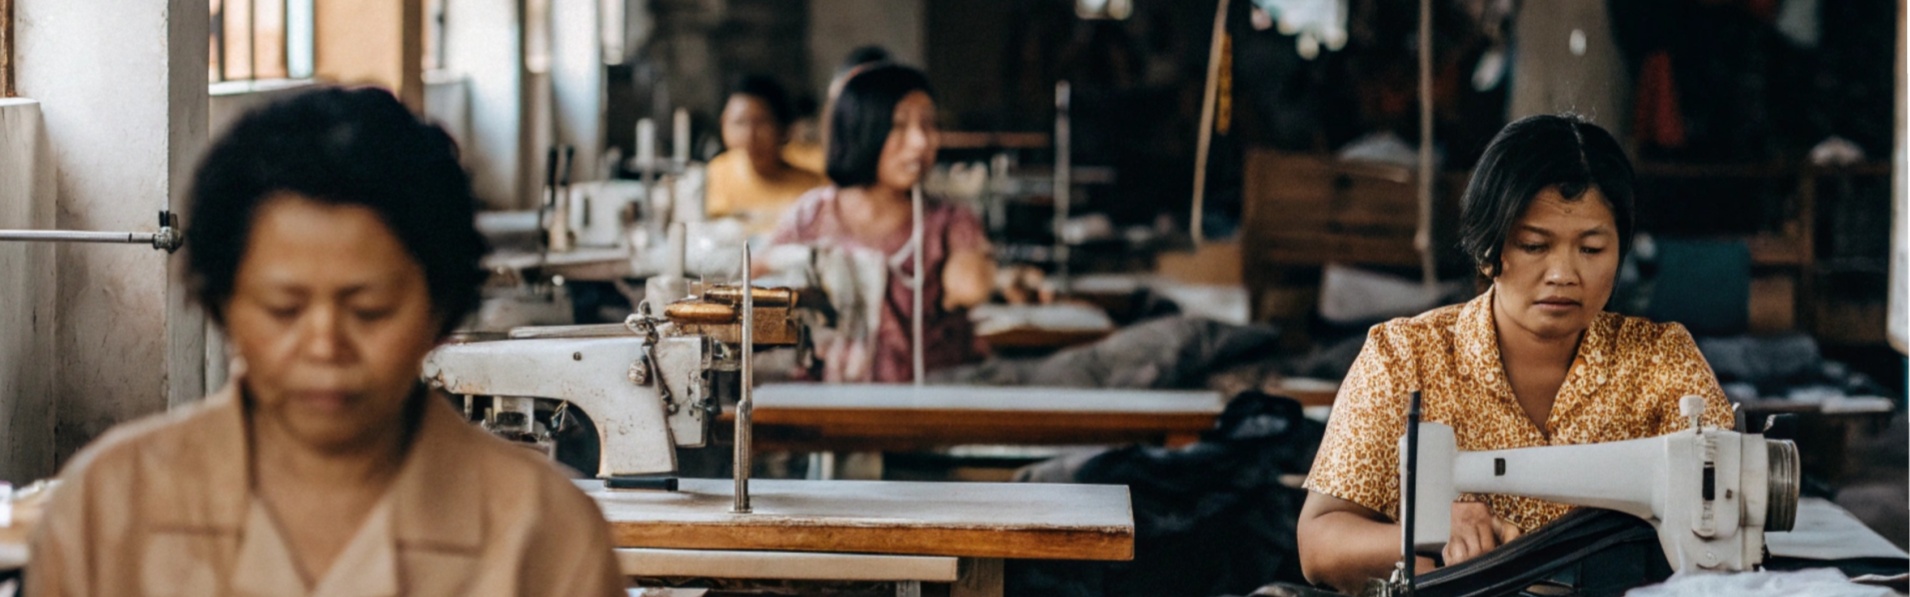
[{"x": 1104, "y": 9}]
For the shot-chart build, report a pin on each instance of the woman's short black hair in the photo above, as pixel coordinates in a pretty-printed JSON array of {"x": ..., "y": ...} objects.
[
  {"x": 1536, "y": 152},
  {"x": 769, "y": 92},
  {"x": 344, "y": 147},
  {"x": 861, "y": 118}
]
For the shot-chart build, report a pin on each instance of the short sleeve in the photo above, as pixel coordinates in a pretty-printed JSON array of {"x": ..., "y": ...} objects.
[
  {"x": 1358, "y": 459},
  {"x": 795, "y": 226},
  {"x": 1679, "y": 370},
  {"x": 964, "y": 232}
]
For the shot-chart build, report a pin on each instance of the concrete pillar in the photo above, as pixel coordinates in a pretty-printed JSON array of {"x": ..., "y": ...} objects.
[
  {"x": 577, "y": 82},
  {"x": 28, "y": 357},
  {"x": 122, "y": 90},
  {"x": 484, "y": 44}
]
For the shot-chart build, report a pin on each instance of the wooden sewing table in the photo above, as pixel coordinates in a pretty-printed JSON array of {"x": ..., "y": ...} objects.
[{"x": 890, "y": 531}]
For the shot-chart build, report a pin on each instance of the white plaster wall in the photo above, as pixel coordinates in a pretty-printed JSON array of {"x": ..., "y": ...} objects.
[
  {"x": 447, "y": 101},
  {"x": 483, "y": 44},
  {"x": 577, "y": 82},
  {"x": 28, "y": 353},
  {"x": 122, "y": 90},
  {"x": 837, "y": 26}
]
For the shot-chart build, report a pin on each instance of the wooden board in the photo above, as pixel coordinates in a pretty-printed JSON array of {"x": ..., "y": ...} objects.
[
  {"x": 784, "y": 565},
  {"x": 980, "y": 520},
  {"x": 902, "y": 417}
]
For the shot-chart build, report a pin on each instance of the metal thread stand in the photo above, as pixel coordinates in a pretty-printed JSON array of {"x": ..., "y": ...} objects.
[
  {"x": 920, "y": 367},
  {"x": 745, "y": 402}
]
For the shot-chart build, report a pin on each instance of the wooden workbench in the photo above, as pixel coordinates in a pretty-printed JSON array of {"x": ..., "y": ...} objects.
[
  {"x": 912, "y": 528},
  {"x": 881, "y": 417}
]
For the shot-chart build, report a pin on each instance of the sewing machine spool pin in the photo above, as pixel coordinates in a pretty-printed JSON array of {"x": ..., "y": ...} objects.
[
  {"x": 1402, "y": 581},
  {"x": 745, "y": 402}
]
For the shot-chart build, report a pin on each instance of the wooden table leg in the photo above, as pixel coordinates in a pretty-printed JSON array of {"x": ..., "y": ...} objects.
[{"x": 980, "y": 577}]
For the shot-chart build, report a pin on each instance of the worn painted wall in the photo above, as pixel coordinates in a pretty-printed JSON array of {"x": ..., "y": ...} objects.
[
  {"x": 447, "y": 101},
  {"x": 483, "y": 45},
  {"x": 28, "y": 353},
  {"x": 837, "y": 26},
  {"x": 1553, "y": 73},
  {"x": 122, "y": 90},
  {"x": 577, "y": 82}
]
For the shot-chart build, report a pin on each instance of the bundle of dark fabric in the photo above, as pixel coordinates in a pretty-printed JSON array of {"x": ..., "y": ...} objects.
[
  {"x": 1211, "y": 518},
  {"x": 1781, "y": 366},
  {"x": 1170, "y": 352}
]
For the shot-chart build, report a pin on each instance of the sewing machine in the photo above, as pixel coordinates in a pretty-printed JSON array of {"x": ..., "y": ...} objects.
[
  {"x": 651, "y": 385},
  {"x": 1712, "y": 494},
  {"x": 648, "y": 383}
]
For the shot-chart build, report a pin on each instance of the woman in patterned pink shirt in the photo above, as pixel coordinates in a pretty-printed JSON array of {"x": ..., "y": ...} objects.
[{"x": 882, "y": 143}]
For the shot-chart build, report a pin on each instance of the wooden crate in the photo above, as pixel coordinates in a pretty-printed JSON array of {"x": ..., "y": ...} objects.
[{"x": 1302, "y": 211}]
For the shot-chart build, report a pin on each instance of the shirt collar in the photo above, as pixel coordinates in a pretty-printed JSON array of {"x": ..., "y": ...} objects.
[
  {"x": 434, "y": 498},
  {"x": 1477, "y": 340}
]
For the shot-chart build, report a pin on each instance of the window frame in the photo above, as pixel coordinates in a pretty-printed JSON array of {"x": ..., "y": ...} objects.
[{"x": 6, "y": 49}]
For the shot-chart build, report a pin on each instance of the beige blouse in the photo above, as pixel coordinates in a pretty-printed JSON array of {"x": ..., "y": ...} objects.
[
  {"x": 1624, "y": 384},
  {"x": 163, "y": 506},
  {"x": 266, "y": 565}
]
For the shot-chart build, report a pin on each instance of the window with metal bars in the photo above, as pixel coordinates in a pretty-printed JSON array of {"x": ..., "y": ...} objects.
[{"x": 259, "y": 39}]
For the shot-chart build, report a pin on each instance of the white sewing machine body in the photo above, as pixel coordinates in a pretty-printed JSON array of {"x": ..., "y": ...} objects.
[
  {"x": 646, "y": 399},
  {"x": 1711, "y": 493},
  {"x": 648, "y": 384}
]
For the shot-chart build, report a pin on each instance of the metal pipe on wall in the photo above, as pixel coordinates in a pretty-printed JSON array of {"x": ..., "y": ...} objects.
[
  {"x": 70, "y": 236},
  {"x": 745, "y": 398},
  {"x": 167, "y": 238}
]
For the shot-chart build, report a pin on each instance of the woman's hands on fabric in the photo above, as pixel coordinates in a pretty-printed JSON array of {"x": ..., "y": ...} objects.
[{"x": 1476, "y": 531}]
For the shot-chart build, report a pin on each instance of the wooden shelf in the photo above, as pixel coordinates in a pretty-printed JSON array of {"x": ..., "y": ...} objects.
[{"x": 995, "y": 140}]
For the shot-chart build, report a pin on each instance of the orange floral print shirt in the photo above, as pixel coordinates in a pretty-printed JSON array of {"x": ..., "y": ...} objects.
[{"x": 1624, "y": 384}]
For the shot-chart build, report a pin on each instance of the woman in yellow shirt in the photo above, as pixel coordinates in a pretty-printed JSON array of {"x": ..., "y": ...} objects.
[
  {"x": 1533, "y": 361},
  {"x": 751, "y": 179}
]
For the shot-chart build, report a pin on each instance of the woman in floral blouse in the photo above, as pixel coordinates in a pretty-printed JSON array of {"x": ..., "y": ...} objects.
[{"x": 1535, "y": 360}]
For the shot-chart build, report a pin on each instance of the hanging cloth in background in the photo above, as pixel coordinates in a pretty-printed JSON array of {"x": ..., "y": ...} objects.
[{"x": 1656, "y": 119}]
